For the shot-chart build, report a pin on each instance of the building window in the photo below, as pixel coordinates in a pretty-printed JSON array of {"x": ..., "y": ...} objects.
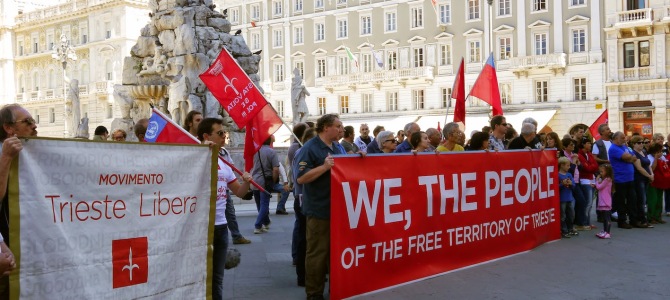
[
  {"x": 255, "y": 41},
  {"x": 279, "y": 72},
  {"x": 644, "y": 53},
  {"x": 445, "y": 13},
  {"x": 577, "y": 2},
  {"x": 580, "y": 88},
  {"x": 366, "y": 103},
  {"x": 298, "y": 6},
  {"x": 504, "y": 48},
  {"x": 108, "y": 30},
  {"x": 300, "y": 65},
  {"x": 37, "y": 116},
  {"x": 277, "y": 8},
  {"x": 318, "y": 4},
  {"x": 279, "y": 104},
  {"x": 366, "y": 25},
  {"x": 392, "y": 101},
  {"x": 540, "y": 43},
  {"x": 445, "y": 55},
  {"x": 578, "y": 40},
  {"x": 628, "y": 55},
  {"x": 297, "y": 35},
  {"x": 504, "y": 8},
  {"x": 52, "y": 115},
  {"x": 21, "y": 48},
  {"x": 342, "y": 31},
  {"x": 84, "y": 38},
  {"x": 234, "y": 15},
  {"x": 416, "y": 14},
  {"x": 541, "y": 91},
  {"x": 343, "y": 65},
  {"x": 109, "y": 111},
  {"x": 445, "y": 98},
  {"x": 473, "y": 9},
  {"x": 475, "y": 51},
  {"x": 417, "y": 99},
  {"x": 539, "y": 5},
  {"x": 392, "y": 59},
  {"x": 341, "y": 3},
  {"x": 344, "y": 104},
  {"x": 506, "y": 93},
  {"x": 322, "y": 105},
  {"x": 635, "y": 4},
  {"x": 109, "y": 70},
  {"x": 368, "y": 65},
  {"x": 319, "y": 32},
  {"x": 255, "y": 12},
  {"x": 417, "y": 58},
  {"x": 50, "y": 42},
  {"x": 35, "y": 46},
  {"x": 278, "y": 38},
  {"x": 390, "y": 22},
  {"x": 320, "y": 67}
]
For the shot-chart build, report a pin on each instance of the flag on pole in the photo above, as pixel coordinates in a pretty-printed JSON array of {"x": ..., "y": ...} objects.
[
  {"x": 259, "y": 129},
  {"x": 458, "y": 94},
  {"x": 351, "y": 56},
  {"x": 599, "y": 121},
  {"x": 378, "y": 58},
  {"x": 437, "y": 13},
  {"x": 486, "y": 86},
  {"x": 162, "y": 129},
  {"x": 233, "y": 88},
  {"x": 253, "y": 23}
]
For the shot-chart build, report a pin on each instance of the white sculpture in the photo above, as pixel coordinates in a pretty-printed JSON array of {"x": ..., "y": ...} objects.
[{"x": 298, "y": 94}]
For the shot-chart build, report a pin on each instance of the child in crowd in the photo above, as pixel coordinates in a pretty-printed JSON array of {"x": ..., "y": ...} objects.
[
  {"x": 604, "y": 186},
  {"x": 566, "y": 184}
]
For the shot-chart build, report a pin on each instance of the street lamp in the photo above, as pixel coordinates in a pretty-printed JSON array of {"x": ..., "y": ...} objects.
[
  {"x": 490, "y": 35},
  {"x": 63, "y": 53}
]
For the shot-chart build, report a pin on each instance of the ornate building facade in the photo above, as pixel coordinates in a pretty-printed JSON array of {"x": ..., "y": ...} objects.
[
  {"x": 549, "y": 57},
  {"x": 637, "y": 37},
  {"x": 101, "y": 32}
]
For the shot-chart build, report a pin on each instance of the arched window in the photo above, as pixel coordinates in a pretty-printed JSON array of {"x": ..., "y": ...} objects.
[
  {"x": 36, "y": 81},
  {"x": 108, "y": 70},
  {"x": 52, "y": 79},
  {"x": 22, "y": 84}
]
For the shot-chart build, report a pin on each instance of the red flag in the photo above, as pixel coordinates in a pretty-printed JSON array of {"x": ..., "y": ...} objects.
[
  {"x": 162, "y": 129},
  {"x": 259, "y": 129},
  {"x": 458, "y": 93},
  {"x": 599, "y": 121},
  {"x": 486, "y": 86},
  {"x": 253, "y": 24},
  {"x": 232, "y": 87}
]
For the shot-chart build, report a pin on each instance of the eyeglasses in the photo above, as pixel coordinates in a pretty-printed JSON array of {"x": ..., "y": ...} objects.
[
  {"x": 639, "y": 143},
  {"x": 390, "y": 140},
  {"x": 646, "y": 142},
  {"x": 220, "y": 133},
  {"x": 28, "y": 121},
  {"x": 503, "y": 124}
]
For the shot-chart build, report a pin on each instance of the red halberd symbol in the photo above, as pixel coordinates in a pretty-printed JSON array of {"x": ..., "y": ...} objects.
[{"x": 130, "y": 262}]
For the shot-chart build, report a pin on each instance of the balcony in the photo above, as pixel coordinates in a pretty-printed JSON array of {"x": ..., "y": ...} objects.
[
  {"x": 83, "y": 90},
  {"x": 632, "y": 21},
  {"x": 20, "y": 97},
  {"x": 376, "y": 78},
  {"x": 50, "y": 94},
  {"x": 34, "y": 96},
  {"x": 65, "y": 8},
  {"x": 556, "y": 62},
  {"x": 104, "y": 87},
  {"x": 632, "y": 74}
]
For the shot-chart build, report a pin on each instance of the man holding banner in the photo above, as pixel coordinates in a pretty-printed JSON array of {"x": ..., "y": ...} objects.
[
  {"x": 210, "y": 131},
  {"x": 314, "y": 163},
  {"x": 16, "y": 122}
]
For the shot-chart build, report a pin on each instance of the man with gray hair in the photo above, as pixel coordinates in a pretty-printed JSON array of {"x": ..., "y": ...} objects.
[
  {"x": 405, "y": 147},
  {"x": 527, "y": 139},
  {"x": 434, "y": 138},
  {"x": 452, "y": 135},
  {"x": 624, "y": 198}
]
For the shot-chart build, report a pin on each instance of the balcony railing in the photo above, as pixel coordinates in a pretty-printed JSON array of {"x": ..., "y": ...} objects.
[
  {"x": 34, "y": 95},
  {"x": 425, "y": 73},
  {"x": 20, "y": 97},
  {"x": 103, "y": 87},
  {"x": 83, "y": 90},
  {"x": 554, "y": 60},
  {"x": 623, "y": 18},
  {"x": 65, "y": 8},
  {"x": 641, "y": 73}
]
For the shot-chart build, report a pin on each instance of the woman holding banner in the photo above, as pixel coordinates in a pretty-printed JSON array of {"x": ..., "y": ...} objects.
[{"x": 386, "y": 141}]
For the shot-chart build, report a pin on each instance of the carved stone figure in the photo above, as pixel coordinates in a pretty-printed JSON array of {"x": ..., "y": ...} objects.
[
  {"x": 82, "y": 129},
  {"x": 298, "y": 94},
  {"x": 72, "y": 107}
]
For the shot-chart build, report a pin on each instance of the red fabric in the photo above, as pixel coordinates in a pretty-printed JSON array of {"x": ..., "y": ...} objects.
[
  {"x": 232, "y": 87},
  {"x": 381, "y": 202},
  {"x": 162, "y": 129},
  {"x": 259, "y": 129},
  {"x": 486, "y": 87},
  {"x": 661, "y": 175},
  {"x": 587, "y": 167},
  {"x": 458, "y": 93},
  {"x": 602, "y": 119}
]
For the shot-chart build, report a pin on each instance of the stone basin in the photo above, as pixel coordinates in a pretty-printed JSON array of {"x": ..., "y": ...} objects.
[{"x": 148, "y": 92}]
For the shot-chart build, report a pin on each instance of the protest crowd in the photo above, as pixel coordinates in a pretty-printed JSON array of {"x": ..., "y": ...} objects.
[{"x": 625, "y": 178}]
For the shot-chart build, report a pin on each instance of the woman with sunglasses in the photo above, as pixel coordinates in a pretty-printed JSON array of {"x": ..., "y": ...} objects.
[
  {"x": 386, "y": 141},
  {"x": 643, "y": 176}
]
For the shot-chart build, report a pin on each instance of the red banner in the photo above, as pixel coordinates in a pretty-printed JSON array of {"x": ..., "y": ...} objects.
[
  {"x": 402, "y": 218},
  {"x": 265, "y": 124},
  {"x": 232, "y": 87}
]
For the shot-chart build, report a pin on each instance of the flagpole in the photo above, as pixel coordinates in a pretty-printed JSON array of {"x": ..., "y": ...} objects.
[{"x": 154, "y": 110}]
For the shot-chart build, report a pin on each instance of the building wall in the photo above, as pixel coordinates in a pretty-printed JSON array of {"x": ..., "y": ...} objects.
[{"x": 559, "y": 67}]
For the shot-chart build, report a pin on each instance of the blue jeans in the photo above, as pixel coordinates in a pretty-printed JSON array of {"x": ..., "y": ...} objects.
[
  {"x": 220, "y": 252},
  {"x": 232, "y": 219},
  {"x": 641, "y": 203},
  {"x": 263, "y": 206},
  {"x": 587, "y": 192},
  {"x": 279, "y": 188},
  {"x": 666, "y": 197}
]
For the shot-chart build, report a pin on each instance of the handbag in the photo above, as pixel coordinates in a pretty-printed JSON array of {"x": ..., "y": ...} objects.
[{"x": 268, "y": 181}]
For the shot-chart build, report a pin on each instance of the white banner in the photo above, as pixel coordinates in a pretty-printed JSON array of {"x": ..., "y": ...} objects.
[{"x": 111, "y": 220}]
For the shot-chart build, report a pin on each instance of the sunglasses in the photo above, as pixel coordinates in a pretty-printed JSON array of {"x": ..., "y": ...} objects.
[
  {"x": 28, "y": 121},
  {"x": 504, "y": 124},
  {"x": 220, "y": 133}
]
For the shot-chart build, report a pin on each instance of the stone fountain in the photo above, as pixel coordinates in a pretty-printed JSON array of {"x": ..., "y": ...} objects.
[{"x": 180, "y": 42}]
